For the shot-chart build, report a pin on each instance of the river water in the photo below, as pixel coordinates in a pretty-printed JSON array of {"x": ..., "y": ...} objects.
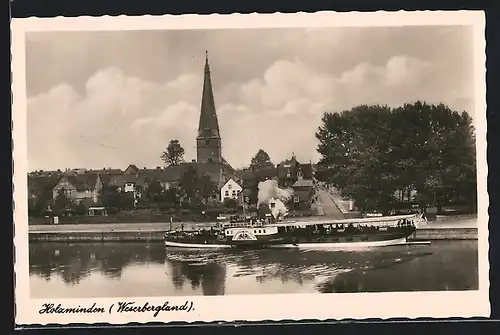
[{"x": 85, "y": 270}]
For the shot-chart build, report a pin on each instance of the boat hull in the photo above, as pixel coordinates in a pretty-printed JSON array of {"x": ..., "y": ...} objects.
[
  {"x": 196, "y": 245},
  {"x": 298, "y": 245},
  {"x": 341, "y": 245}
]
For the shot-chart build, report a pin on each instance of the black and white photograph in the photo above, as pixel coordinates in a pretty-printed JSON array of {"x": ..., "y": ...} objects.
[{"x": 165, "y": 166}]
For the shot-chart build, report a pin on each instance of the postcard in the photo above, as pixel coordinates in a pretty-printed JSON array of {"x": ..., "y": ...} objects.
[{"x": 259, "y": 167}]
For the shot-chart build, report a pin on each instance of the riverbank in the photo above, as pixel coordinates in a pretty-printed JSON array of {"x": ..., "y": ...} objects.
[{"x": 149, "y": 232}]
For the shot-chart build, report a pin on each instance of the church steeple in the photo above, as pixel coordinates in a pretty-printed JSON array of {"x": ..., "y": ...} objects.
[
  {"x": 208, "y": 116},
  {"x": 208, "y": 141}
]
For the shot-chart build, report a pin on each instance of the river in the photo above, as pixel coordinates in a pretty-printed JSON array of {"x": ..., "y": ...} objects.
[{"x": 85, "y": 270}]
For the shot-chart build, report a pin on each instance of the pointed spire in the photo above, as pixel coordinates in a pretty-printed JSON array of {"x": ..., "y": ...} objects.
[{"x": 209, "y": 124}]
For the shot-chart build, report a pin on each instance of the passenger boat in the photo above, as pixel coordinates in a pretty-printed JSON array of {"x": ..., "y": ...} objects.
[{"x": 346, "y": 233}]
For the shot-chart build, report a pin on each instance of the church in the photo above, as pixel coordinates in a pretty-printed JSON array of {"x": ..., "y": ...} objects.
[{"x": 209, "y": 160}]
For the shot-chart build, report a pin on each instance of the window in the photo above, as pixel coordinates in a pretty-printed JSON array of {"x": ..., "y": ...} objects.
[
  {"x": 229, "y": 186},
  {"x": 207, "y": 142},
  {"x": 233, "y": 193},
  {"x": 296, "y": 198},
  {"x": 264, "y": 231},
  {"x": 226, "y": 193}
]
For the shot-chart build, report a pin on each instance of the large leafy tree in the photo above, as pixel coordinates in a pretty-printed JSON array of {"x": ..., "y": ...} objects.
[
  {"x": 173, "y": 154},
  {"x": 195, "y": 187},
  {"x": 114, "y": 200},
  {"x": 261, "y": 160},
  {"x": 62, "y": 201},
  {"x": 154, "y": 190},
  {"x": 369, "y": 152}
]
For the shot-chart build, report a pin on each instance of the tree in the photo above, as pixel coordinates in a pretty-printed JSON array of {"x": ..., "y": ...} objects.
[
  {"x": 370, "y": 152},
  {"x": 114, "y": 200},
  {"x": 62, "y": 201},
  {"x": 173, "y": 154},
  {"x": 196, "y": 188},
  {"x": 230, "y": 203},
  {"x": 171, "y": 196},
  {"x": 154, "y": 190},
  {"x": 261, "y": 160}
]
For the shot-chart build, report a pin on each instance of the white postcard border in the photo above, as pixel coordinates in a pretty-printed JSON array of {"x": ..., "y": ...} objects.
[{"x": 250, "y": 307}]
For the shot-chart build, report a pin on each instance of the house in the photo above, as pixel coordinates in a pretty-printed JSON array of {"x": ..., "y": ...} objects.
[
  {"x": 290, "y": 170},
  {"x": 303, "y": 193},
  {"x": 131, "y": 169},
  {"x": 135, "y": 183},
  {"x": 79, "y": 186},
  {"x": 250, "y": 177},
  {"x": 231, "y": 189}
]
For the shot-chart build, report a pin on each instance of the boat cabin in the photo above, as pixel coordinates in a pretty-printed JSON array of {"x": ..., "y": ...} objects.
[{"x": 250, "y": 233}]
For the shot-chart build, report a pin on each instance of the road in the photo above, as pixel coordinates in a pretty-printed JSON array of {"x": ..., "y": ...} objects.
[{"x": 330, "y": 209}]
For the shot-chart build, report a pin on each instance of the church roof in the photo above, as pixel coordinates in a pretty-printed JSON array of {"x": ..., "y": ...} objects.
[{"x": 209, "y": 125}]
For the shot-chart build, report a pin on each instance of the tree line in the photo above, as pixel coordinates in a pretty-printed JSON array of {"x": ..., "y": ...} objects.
[{"x": 370, "y": 152}]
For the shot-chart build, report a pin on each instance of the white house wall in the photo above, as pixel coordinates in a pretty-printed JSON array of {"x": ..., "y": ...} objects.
[{"x": 229, "y": 187}]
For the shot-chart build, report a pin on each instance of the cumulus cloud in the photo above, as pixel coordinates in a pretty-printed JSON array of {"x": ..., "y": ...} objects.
[{"x": 115, "y": 117}]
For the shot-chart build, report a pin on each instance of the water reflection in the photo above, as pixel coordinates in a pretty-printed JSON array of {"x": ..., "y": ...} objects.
[{"x": 136, "y": 269}]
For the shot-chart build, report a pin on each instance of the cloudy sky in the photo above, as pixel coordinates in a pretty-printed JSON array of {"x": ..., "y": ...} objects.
[{"x": 99, "y": 99}]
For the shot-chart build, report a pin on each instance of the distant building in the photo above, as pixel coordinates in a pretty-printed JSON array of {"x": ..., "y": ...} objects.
[
  {"x": 231, "y": 189},
  {"x": 127, "y": 183},
  {"x": 290, "y": 170},
  {"x": 303, "y": 193},
  {"x": 78, "y": 187},
  {"x": 250, "y": 176}
]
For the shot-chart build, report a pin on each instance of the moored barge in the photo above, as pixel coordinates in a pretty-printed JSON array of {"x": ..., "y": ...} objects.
[{"x": 322, "y": 234}]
